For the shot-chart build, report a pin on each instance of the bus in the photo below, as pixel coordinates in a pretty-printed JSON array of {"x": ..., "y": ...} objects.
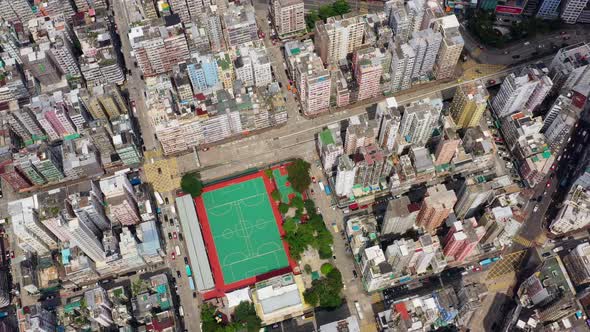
[
  {"x": 321, "y": 185},
  {"x": 359, "y": 311},
  {"x": 177, "y": 249},
  {"x": 328, "y": 191},
  {"x": 158, "y": 198},
  {"x": 191, "y": 283},
  {"x": 188, "y": 270}
]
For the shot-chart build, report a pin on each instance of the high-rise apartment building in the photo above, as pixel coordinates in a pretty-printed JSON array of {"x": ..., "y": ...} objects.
[
  {"x": 32, "y": 235},
  {"x": 574, "y": 213},
  {"x": 360, "y": 132},
  {"x": 99, "y": 306},
  {"x": 572, "y": 9},
  {"x": 180, "y": 8},
  {"x": 345, "y": 175},
  {"x": 469, "y": 104},
  {"x": 569, "y": 65},
  {"x": 240, "y": 25},
  {"x": 418, "y": 123},
  {"x": 436, "y": 207},
  {"x": 450, "y": 47},
  {"x": 329, "y": 145},
  {"x": 16, "y": 11},
  {"x": 388, "y": 118},
  {"x": 288, "y": 16},
  {"x": 398, "y": 19},
  {"x": 367, "y": 70},
  {"x": 577, "y": 263},
  {"x": 523, "y": 92},
  {"x": 462, "y": 238},
  {"x": 426, "y": 44},
  {"x": 471, "y": 196},
  {"x": 313, "y": 83},
  {"x": 402, "y": 66},
  {"x": 338, "y": 38},
  {"x": 37, "y": 60},
  {"x": 121, "y": 204},
  {"x": 398, "y": 218},
  {"x": 372, "y": 166},
  {"x": 214, "y": 30},
  {"x": 549, "y": 9},
  {"x": 158, "y": 48}
]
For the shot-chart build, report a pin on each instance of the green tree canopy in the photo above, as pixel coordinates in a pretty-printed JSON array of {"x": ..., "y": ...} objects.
[
  {"x": 275, "y": 195},
  {"x": 283, "y": 208},
  {"x": 326, "y": 268},
  {"x": 190, "y": 183},
  {"x": 290, "y": 226},
  {"x": 298, "y": 175},
  {"x": 245, "y": 315},
  {"x": 297, "y": 202},
  {"x": 325, "y": 291},
  {"x": 307, "y": 269}
]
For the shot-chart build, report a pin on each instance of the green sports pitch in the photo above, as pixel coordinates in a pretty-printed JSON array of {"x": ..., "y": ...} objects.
[{"x": 244, "y": 230}]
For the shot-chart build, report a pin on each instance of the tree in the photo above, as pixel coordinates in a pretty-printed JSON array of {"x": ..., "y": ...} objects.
[
  {"x": 290, "y": 226},
  {"x": 190, "y": 183},
  {"x": 307, "y": 269},
  {"x": 325, "y": 291},
  {"x": 340, "y": 7},
  {"x": 325, "y": 251},
  {"x": 245, "y": 315},
  {"x": 275, "y": 195},
  {"x": 283, "y": 208},
  {"x": 326, "y": 268},
  {"x": 326, "y": 11},
  {"x": 298, "y": 175},
  {"x": 297, "y": 202},
  {"x": 268, "y": 173},
  {"x": 310, "y": 19},
  {"x": 309, "y": 206}
]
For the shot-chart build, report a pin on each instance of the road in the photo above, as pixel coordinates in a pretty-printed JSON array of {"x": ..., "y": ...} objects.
[
  {"x": 542, "y": 44},
  {"x": 136, "y": 88},
  {"x": 135, "y": 85},
  {"x": 353, "y": 290},
  {"x": 296, "y": 138},
  {"x": 171, "y": 225}
]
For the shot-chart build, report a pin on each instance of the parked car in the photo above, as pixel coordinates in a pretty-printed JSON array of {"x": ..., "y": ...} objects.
[
  {"x": 185, "y": 260},
  {"x": 178, "y": 274},
  {"x": 354, "y": 274},
  {"x": 169, "y": 236}
]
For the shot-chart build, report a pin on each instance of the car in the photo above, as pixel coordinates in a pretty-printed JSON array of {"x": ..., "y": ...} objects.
[
  {"x": 178, "y": 274},
  {"x": 548, "y": 184},
  {"x": 133, "y": 103},
  {"x": 173, "y": 255},
  {"x": 536, "y": 209},
  {"x": 552, "y": 167},
  {"x": 558, "y": 249},
  {"x": 313, "y": 179},
  {"x": 516, "y": 56},
  {"x": 185, "y": 260},
  {"x": 180, "y": 237},
  {"x": 169, "y": 236},
  {"x": 205, "y": 149},
  {"x": 333, "y": 256},
  {"x": 535, "y": 53},
  {"x": 506, "y": 52},
  {"x": 354, "y": 274},
  {"x": 492, "y": 82},
  {"x": 12, "y": 254},
  {"x": 566, "y": 38},
  {"x": 477, "y": 268},
  {"x": 563, "y": 33},
  {"x": 194, "y": 295},
  {"x": 312, "y": 192},
  {"x": 175, "y": 235},
  {"x": 480, "y": 47}
]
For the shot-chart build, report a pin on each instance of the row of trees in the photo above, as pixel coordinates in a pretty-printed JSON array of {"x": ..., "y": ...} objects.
[
  {"x": 244, "y": 319},
  {"x": 338, "y": 7}
]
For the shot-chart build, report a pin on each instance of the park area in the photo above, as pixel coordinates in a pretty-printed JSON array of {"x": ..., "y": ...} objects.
[{"x": 242, "y": 231}]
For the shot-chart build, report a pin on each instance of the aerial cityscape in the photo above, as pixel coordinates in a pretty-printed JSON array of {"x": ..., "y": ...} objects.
[{"x": 294, "y": 165}]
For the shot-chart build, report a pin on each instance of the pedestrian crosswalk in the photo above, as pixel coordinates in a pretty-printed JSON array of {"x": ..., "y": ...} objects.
[{"x": 523, "y": 242}]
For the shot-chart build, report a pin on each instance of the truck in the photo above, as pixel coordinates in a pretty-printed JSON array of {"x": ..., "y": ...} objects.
[
  {"x": 158, "y": 198},
  {"x": 321, "y": 185},
  {"x": 188, "y": 270},
  {"x": 328, "y": 191},
  {"x": 191, "y": 283},
  {"x": 485, "y": 262},
  {"x": 181, "y": 311}
]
